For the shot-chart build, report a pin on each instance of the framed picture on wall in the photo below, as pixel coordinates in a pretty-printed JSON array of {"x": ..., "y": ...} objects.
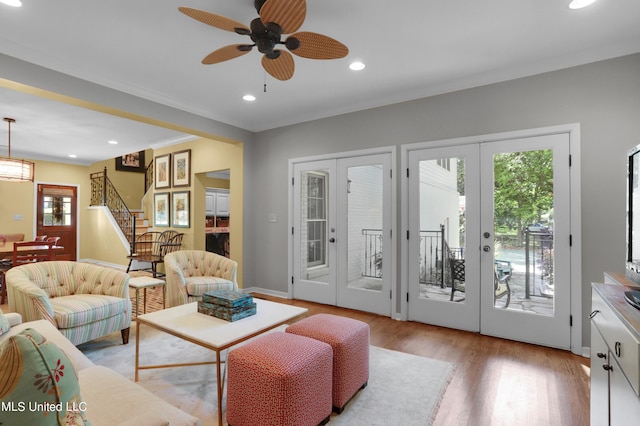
[
  {"x": 161, "y": 209},
  {"x": 162, "y": 171},
  {"x": 180, "y": 209},
  {"x": 182, "y": 168},
  {"x": 133, "y": 162}
]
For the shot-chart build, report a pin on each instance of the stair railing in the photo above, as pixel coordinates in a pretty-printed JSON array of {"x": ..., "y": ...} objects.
[
  {"x": 148, "y": 177},
  {"x": 104, "y": 193}
]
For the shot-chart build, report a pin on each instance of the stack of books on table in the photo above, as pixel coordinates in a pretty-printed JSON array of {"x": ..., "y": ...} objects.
[{"x": 227, "y": 305}]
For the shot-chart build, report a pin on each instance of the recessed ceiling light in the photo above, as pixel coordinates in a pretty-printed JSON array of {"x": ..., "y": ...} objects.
[
  {"x": 113, "y": 142},
  {"x": 579, "y": 4},
  {"x": 73, "y": 156},
  {"x": 14, "y": 3},
  {"x": 249, "y": 98},
  {"x": 356, "y": 66}
]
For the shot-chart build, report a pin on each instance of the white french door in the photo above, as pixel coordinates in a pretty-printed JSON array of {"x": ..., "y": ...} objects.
[
  {"x": 341, "y": 232},
  {"x": 314, "y": 232},
  {"x": 489, "y": 238},
  {"x": 538, "y": 260},
  {"x": 442, "y": 229}
]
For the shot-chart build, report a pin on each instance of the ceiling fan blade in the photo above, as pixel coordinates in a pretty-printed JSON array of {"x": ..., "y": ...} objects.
[
  {"x": 289, "y": 14},
  {"x": 318, "y": 46},
  {"x": 281, "y": 68},
  {"x": 214, "y": 20},
  {"x": 226, "y": 53}
]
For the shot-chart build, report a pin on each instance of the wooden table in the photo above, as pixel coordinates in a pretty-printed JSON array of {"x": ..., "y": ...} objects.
[
  {"x": 218, "y": 335},
  {"x": 6, "y": 248}
]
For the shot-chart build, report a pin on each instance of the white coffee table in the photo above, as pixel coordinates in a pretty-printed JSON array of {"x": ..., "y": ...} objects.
[{"x": 213, "y": 333}]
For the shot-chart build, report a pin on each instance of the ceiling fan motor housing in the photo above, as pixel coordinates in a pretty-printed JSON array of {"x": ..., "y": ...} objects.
[{"x": 266, "y": 37}]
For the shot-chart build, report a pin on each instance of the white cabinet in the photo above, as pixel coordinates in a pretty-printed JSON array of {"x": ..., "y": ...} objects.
[
  {"x": 222, "y": 204},
  {"x": 599, "y": 379},
  {"x": 615, "y": 358},
  {"x": 217, "y": 203},
  {"x": 210, "y": 204}
]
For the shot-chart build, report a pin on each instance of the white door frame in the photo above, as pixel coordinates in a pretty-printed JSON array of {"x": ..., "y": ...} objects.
[
  {"x": 291, "y": 206},
  {"x": 573, "y": 130}
]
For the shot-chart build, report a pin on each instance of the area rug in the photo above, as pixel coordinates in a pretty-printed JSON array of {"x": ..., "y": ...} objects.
[{"x": 403, "y": 389}]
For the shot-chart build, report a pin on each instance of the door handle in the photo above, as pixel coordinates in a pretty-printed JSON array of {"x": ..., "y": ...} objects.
[
  {"x": 332, "y": 240},
  {"x": 486, "y": 249}
]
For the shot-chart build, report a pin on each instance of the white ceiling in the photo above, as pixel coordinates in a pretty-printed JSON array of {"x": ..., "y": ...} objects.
[{"x": 411, "y": 48}]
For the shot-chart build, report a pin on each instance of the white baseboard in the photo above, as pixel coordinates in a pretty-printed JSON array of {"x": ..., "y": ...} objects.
[{"x": 281, "y": 294}]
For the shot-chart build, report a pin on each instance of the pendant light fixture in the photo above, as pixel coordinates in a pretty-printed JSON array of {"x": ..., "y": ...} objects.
[{"x": 13, "y": 169}]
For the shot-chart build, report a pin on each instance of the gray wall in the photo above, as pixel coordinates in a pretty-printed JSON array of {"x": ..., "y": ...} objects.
[{"x": 603, "y": 97}]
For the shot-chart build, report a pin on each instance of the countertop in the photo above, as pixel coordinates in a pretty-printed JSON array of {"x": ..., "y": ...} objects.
[
  {"x": 613, "y": 296},
  {"x": 217, "y": 230}
]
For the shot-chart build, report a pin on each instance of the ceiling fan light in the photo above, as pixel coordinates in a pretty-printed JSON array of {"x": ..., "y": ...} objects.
[{"x": 579, "y": 4}]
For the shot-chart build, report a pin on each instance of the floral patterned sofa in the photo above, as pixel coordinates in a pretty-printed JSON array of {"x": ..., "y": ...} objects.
[{"x": 82, "y": 300}]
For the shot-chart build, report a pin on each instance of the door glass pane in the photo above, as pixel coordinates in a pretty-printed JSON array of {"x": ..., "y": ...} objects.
[
  {"x": 313, "y": 227},
  {"x": 523, "y": 228},
  {"x": 442, "y": 230},
  {"x": 56, "y": 210},
  {"x": 364, "y": 218}
]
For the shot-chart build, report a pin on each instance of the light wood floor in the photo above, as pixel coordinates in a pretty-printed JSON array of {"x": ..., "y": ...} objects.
[{"x": 496, "y": 381}]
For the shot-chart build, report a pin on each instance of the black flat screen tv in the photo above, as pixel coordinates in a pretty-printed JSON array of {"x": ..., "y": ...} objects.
[{"x": 633, "y": 215}]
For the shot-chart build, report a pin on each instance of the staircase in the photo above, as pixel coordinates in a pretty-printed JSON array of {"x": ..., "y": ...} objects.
[
  {"x": 104, "y": 193},
  {"x": 142, "y": 223}
]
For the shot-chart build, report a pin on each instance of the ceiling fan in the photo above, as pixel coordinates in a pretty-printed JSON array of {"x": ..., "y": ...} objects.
[{"x": 277, "y": 17}]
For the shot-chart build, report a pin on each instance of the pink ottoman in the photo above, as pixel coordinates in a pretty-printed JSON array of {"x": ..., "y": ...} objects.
[
  {"x": 349, "y": 339},
  {"x": 279, "y": 379}
]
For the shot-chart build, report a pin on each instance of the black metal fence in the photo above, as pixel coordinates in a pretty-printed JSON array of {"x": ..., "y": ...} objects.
[
  {"x": 372, "y": 253},
  {"x": 539, "y": 263},
  {"x": 434, "y": 256}
]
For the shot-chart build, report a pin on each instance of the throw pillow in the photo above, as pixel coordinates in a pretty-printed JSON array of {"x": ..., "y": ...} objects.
[
  {"x": 4, "y": 324},
  {"x": 38, "y": 384}
]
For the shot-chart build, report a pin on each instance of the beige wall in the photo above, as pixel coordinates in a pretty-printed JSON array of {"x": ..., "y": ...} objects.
[
  {"x": 96, "y": 236},
  {"x": 209, "y": 155},
  {"x": 17, "y": 210}
]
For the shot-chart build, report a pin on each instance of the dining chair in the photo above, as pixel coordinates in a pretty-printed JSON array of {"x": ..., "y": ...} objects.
[
  {"x": 5, "y": 265},
  {"x": 40, "y": 238},
  {"x": 3, "y": 291},
  {"x": 31, "y": 252},
  {"x": 54, "y": 240}
]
